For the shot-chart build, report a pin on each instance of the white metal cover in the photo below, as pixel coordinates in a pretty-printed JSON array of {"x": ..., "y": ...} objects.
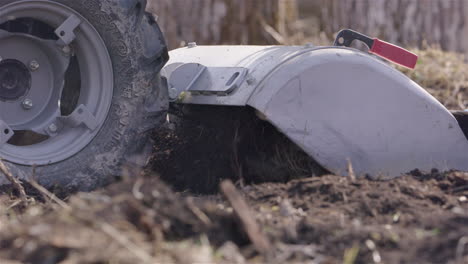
[
  {"x": 258, "y": 60},
  {"x": 340, "y": 104}
]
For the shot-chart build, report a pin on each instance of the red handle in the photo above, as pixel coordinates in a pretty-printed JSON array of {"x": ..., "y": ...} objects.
[{"x": 394, "y": 53}]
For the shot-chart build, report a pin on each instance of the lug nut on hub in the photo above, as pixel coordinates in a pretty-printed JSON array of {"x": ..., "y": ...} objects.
[
  {"x": 34, "y": 65},
  {"x": 53, "y": 128},
  {"x": 27, "y": 104}
]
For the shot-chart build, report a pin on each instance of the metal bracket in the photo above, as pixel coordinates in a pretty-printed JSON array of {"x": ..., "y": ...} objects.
[
  {"x": 65, "y": 32},
  {"x": 201, "y": 80},
  {"x": 80, "y": 116},
  {"x": 5, "y": 133}
]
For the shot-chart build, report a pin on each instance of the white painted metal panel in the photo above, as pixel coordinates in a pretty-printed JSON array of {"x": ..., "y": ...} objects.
[
  {"x": 341, "y": 104},
  {"x": 258, "y": 60},
  {"x": 338, "y": 104}
]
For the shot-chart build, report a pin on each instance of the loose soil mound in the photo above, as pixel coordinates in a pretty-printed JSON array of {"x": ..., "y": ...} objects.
[{"x": 205, "y": 145}]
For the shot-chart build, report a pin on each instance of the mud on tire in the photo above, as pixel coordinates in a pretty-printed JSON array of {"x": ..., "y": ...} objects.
[{"x": 138, "y": 52}]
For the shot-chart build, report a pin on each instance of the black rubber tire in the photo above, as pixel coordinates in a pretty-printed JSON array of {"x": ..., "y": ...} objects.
[{"x": 139, "y": 104}]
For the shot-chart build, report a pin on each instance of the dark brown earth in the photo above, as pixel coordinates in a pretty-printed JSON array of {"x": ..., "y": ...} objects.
[
  {"x": 205, "y": 145},
  {"x": 419, "y": 218}
]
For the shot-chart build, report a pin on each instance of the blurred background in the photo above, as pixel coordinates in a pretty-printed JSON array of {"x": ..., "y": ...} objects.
[
  {"x": 405, "y": 22},
  {"x": 436, "y": 30}
]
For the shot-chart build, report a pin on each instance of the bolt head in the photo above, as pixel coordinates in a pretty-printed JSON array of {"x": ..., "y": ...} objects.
[
  {"x": 53, "y": 128},
  {"x": 34, "y": 65},
  {"x": 66, "y": 50},
  {"x": 27, "y": 104},
  {"x": 191, "y": 44},
  {"x": 251, "y": 80},
  {"x": 173, "y": 93}
]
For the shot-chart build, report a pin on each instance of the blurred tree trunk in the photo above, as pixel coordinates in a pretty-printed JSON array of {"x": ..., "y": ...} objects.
[
  {"x": 407, "y": 22},
  {"x": 225, "y": 21}
]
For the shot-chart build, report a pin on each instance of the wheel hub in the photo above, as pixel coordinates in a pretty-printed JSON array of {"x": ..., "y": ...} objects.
[
  {"x": 32, "y": 69},
  {"x": 56, "y": 82},
  {"x": 15, "y": 80}
]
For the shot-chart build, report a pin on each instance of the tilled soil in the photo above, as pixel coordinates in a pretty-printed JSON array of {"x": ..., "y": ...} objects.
[
  {"x": 205, "y": 145},
  {"x": 415, "y": 219},
  {"x": 419, "y": 218}
]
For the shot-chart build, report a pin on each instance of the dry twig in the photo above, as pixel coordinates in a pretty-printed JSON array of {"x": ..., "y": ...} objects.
[
  {"x": 104, "y": 226},
  {"x": 351, "y": 173},
  {"x": 51, "y": 196},
  {"x": 14, "y": 181},
  {"x": 244, "y": 213},
  {"x": 198, "y": 213}
]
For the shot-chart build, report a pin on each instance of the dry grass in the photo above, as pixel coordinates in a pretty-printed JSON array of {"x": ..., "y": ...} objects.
[
  {"x": 109, "y": 226},
  {"x": 443, "y": 74}
]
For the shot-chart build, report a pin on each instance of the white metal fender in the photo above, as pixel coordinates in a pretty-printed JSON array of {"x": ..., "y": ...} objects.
[{"x": 340, "y": 104}]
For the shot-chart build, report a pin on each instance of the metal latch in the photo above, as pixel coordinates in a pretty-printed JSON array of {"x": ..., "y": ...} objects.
[
  {"x": 198, "y": 79},
  {"x": 378, "y": 47}
]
